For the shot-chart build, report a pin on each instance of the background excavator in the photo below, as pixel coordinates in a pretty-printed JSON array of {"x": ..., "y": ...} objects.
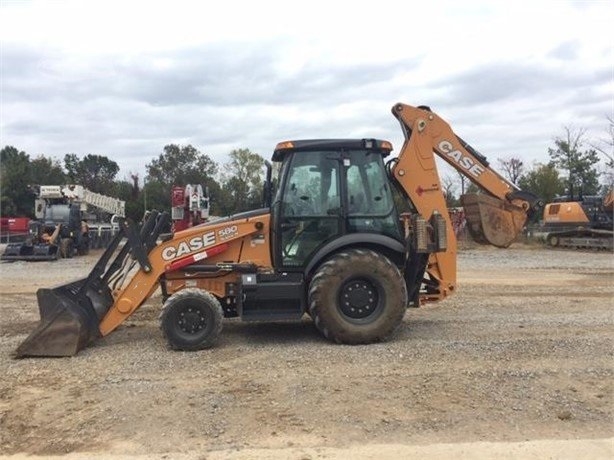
[
  {"x": 584, "y": 223},
  {"x": 329, "y": 243}
]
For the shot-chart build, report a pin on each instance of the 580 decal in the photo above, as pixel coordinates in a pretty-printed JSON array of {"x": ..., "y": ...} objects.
[
  {"x": 228, "y": 232},
  {"x": 199, "y": 242}
]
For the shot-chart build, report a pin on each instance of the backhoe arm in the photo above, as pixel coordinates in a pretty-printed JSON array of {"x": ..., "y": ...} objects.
[
  {"x": 495, "y": 217},
  {"x": 434, "y": 135}
]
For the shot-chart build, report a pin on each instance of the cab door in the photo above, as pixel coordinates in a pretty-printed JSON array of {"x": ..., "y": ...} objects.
[{"x": 308, "y": 207}]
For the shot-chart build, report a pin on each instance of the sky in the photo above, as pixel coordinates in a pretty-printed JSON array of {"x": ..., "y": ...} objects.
[{"x": 125, "y": 78}]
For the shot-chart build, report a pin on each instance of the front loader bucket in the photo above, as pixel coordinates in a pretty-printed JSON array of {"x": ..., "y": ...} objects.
[
  {"x": 68, "y": 321},
  {"x": 491, "y": 220},
  {"x": 71, "y": 313}
]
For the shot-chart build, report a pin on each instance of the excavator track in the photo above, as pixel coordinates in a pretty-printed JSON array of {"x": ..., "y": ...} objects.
[{"x": 587, "y": 239}]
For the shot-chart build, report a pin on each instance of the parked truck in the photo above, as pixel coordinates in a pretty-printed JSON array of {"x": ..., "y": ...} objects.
[{"x": 66, "y": 224}]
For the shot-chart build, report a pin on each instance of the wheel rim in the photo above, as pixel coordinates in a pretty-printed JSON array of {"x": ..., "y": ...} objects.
[
  {"x": 360, "y": 300},
  {"x": 192, "y": 320}
]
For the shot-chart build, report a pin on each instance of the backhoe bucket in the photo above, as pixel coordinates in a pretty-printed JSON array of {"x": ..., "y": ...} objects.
[
  {"x": 69, "y": 320},
  {"x": 491, "y": 220}
]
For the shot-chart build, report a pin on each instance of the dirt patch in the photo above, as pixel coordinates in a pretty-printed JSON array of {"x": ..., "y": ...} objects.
[{"x": 522, "y": 352}]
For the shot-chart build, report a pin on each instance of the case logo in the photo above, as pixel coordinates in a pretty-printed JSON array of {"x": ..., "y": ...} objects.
[
  {"x": 186, "y": 247},
  {"x": 465, "y": 162}
]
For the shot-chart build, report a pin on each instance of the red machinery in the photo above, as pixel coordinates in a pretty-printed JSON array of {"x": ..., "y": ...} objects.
[
  {"x": 14, "y": 226},
  {"x": 189, "y": 206}
]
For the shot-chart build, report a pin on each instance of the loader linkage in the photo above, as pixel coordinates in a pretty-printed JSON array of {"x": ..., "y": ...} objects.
[{"x": 71, "y": 313}]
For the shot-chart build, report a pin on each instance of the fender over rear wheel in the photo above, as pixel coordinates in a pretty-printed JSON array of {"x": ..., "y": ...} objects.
[
  {"x": 357, "y": 296},
  {"x": 191, "y": 320}
]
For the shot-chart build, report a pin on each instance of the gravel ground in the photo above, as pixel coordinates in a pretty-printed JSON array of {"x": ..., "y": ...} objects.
[{"x": 521, "y": 353}]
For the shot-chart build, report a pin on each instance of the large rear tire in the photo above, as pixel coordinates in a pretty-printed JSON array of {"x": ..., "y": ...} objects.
[
  {"x": 191, "y": 320},
  {"x": 357, "y": 296}
]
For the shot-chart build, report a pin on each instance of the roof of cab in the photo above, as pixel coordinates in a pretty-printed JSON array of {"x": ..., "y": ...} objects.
[{"x": 311, "y": 145}]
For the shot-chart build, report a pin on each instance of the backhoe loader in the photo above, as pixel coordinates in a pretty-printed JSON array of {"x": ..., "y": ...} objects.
[{"x": 329, "y": 243}]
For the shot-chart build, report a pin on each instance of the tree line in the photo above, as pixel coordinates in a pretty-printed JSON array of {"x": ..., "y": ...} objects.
[{"x": 236, "y": 186}]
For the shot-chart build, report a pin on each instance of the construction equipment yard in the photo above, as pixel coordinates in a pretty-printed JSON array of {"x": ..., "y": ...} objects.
[{"x": 519, "y": 363}]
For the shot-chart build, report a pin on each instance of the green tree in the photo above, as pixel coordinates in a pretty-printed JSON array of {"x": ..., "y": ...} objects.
[
  {"x": 233, "y": 197},
  {"x": 178, "y": 166},
  {"x": 46, "y": 171},
  {"x": 181, "y": 165},
  {"x": 543, "y": 181},
  {"x": 94, "y": 172},
  {"x": 16, "y": 198},
  {"x": 131, "y": 194},
  {"x": 579, "y": 165},
  {"x": 156, "y": 195},
  {"x": 243, "y": 181}
]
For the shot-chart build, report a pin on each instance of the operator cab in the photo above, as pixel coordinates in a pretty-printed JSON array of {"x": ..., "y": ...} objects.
[{"x": 328, "y": 189}]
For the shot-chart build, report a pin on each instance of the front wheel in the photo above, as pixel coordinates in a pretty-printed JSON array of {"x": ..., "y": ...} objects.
[
  {"x": 191, "y": 320},
  {"x": 357, "y": 296}
]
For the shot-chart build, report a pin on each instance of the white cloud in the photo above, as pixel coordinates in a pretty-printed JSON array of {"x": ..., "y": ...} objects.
[{"x": 124, "y": 78}]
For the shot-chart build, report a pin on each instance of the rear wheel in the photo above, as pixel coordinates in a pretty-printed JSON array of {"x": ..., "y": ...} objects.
[
  {"x": 357, "y": 296},
  {"x": 191, "y": 320},
  {"x": 553, "y": 240}
]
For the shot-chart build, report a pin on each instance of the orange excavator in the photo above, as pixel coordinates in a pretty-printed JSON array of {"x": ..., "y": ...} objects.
[
  {"x": 329, "y": 242},
  {"x": 584, "y": 223}
]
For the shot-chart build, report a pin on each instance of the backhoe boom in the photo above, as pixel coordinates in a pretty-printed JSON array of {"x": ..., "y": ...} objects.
[{"x": 495, "y": 217}]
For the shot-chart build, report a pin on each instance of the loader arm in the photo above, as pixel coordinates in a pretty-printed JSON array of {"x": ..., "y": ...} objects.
[
  {"x": 184, "y": 248},
  {"x": 494, "y": 217},
  {"x": 75, "y": 314}
]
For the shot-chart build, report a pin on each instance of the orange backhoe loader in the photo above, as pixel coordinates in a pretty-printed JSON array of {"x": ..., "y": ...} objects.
[{"x": 329, "y": 243}]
